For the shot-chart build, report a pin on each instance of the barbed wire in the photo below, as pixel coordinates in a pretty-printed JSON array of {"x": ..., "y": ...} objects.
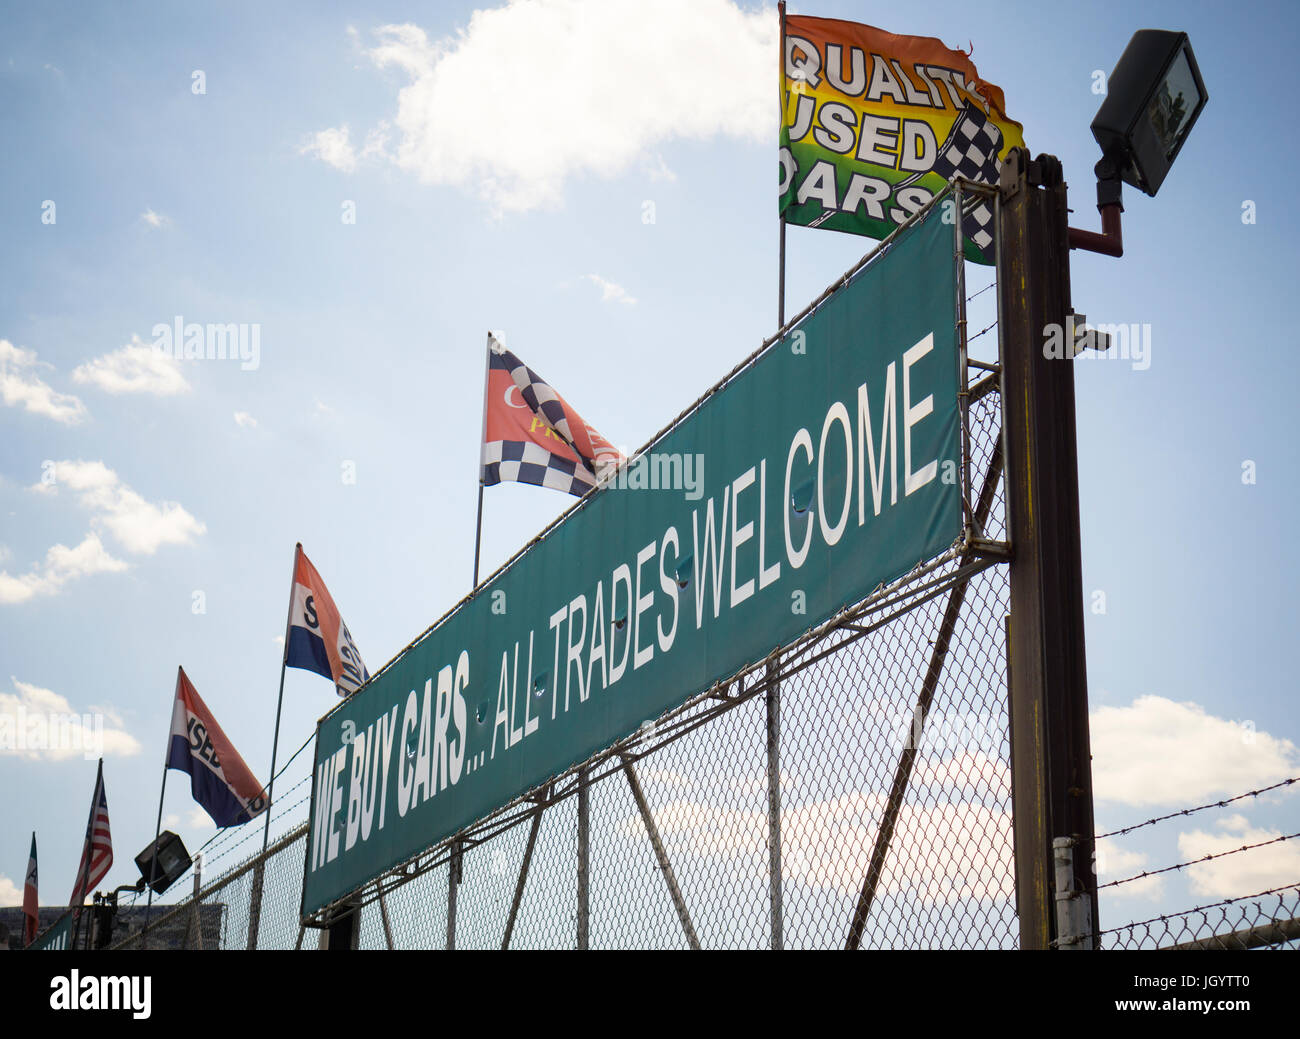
[
  {"x": 983, "y": 290},
  {"x": 245, "y": 835},
  {"x": 1203, "y": 858},
  {"x": 981, "y": 332},
  {"x": 1199, "y": 808},
  {"x": 1198, "y": 909},
  {"x": 210, "y": 849}
]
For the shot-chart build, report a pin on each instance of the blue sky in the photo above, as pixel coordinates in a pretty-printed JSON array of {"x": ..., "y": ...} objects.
[{"x": 227, "y": 206}]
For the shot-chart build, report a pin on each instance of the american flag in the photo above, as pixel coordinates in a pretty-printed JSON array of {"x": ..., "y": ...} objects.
[{"x": 97, "y": 852}]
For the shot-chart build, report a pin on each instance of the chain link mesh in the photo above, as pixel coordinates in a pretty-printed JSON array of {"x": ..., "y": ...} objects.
[
  {"x": 679, "y": 818},
  {"x": 1269, "y": 920},
  {"x": 853, "y": 789}
]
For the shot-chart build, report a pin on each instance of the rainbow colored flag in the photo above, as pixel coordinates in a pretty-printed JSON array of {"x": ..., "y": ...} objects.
[{"x": 874, "y": 125}]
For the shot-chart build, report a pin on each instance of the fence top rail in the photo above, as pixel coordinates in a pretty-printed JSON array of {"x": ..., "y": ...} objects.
[{"x": 224, "y": 880}]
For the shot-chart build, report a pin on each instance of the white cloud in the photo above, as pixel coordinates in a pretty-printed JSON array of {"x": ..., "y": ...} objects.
[
  {"x": 1245, "y": 873},
  {"x": 141, "y": 526},
  {"x": 198, "y": 819},
  {"x": 156, "y": 220},
  {"x": 942, "y": 852},
  {"x": 333, "y": 148},
  {"x": 531, "y": 94},
  {"x": 376, "y": 141},
  {"x": 245, "y": 420},
  {"x": 10, "y": 893},
  {"x": 21, "y": 386},
  {"x": 1118, "y": 863},
  {"x": 38, "y": 724},
  {"x": 610, "y": 292},
  {"x": 1159, "y": 752},
  {"x": 135, "y": 368},
  {"x": 971, "y": 772},
  {"x": 61, "y": 565}
]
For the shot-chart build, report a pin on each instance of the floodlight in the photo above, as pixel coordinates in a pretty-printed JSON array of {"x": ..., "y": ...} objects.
[
  {"x": 1153, "y": 99},
  {"x": 163, "y": 862}
]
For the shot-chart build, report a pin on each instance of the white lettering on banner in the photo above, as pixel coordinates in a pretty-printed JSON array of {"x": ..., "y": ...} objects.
[{"x": 634, "y": 611}]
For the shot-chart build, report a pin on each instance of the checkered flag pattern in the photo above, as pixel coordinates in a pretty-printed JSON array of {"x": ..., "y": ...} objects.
[
  {"x": 977, "y": 225},
  {"x": 523, "y": 462},
  {"x": 543, "y": 400},
  {"x": 972, "y": 148}
]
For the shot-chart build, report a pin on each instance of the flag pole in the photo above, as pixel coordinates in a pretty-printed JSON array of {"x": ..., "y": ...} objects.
[
  {"x": 157, "y": 829},
  {"x": 88, "y": 850},
  {"x": 255, "y": 895},
  {"x": 478, "y": 523},
  {"x": 279, "y": 703},
  {"x": 780, "y": 288},
  {"x": 26, "y": 925}
]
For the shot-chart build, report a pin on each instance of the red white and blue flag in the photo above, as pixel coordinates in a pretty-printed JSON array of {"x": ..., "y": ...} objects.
[
  {"x": 318, "y": 640},
  {"x": 31, "y": 901},
  {"x": 532, "y": 435},
  {"x": 219, "y": 779},
  {"x": 97, "y": 852}
]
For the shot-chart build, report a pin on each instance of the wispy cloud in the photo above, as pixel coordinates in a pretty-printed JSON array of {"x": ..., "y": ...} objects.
[
  {"x": 333, "y": 147},
  {"x": 60, "y": 565},
  {"x": 611, "y": 292},
  {"x": 244, "y": 420},
  {"x": 1244, "y": 873},
  {"x": 659, "y": 170},
  {"x": 155, "y": 220},
  {"x": 140, "y": 526},
  {"x": 136, "y": 368},
  {"x": 1118, "y": 863},
  {"x": 52, "y": 731},
  {"x": 22, "y": 387}
]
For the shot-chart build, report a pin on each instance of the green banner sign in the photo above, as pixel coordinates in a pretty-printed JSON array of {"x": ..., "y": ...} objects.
[
  {"x": 55, "y": 937},
  {"x": 828, "y": 466}
]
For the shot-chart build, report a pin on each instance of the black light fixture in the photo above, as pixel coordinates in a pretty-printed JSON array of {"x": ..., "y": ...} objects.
[
  {"x": 163, "y": 862},
  {"x": 1153, "y": 98}
]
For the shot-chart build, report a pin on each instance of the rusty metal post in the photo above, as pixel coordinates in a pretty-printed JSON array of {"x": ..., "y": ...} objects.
[{"x": 1050, "y": 756}]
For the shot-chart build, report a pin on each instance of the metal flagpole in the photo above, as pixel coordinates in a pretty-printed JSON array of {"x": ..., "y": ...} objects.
[
  {"x": 455, "y": 863},
  {"x": 478, "y": 523},
  {"x": 255, "y": 907},
  {"x": 780, "y": 287},
  {"x": 89, "y": 847},
  {"x": 157, "y": 830},
  {"x": 279, "y": 703}
]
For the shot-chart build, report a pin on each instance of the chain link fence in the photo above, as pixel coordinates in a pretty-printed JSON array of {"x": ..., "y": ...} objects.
[
  {"x": 853, "y": 789},
  {"x": 1269, "y": 920}
]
